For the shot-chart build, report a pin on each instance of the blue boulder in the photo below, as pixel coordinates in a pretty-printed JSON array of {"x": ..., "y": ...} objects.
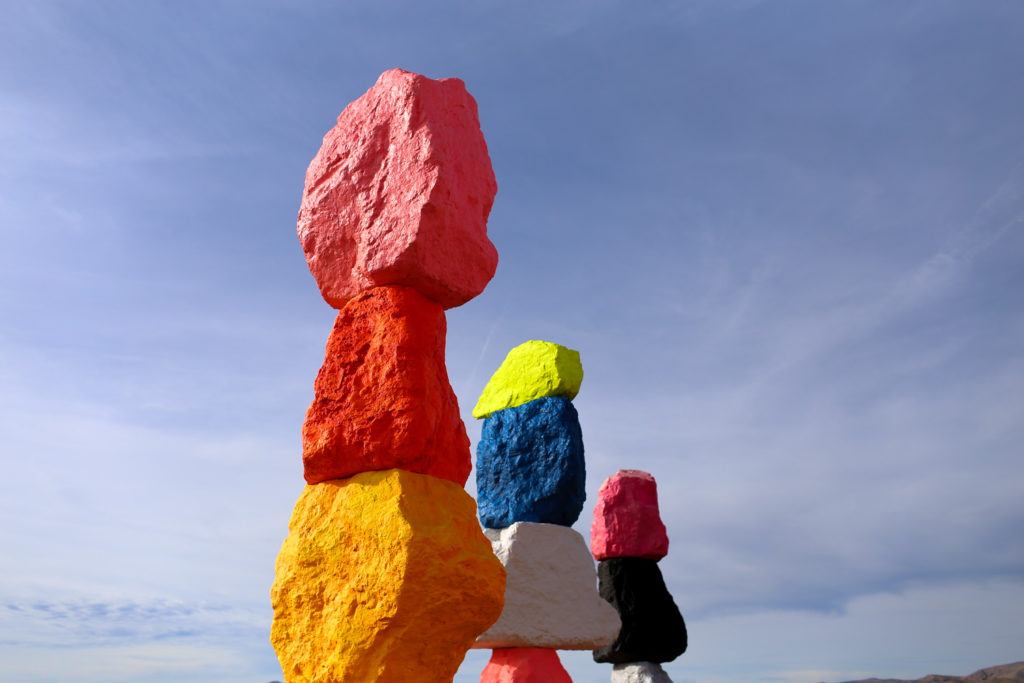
[{"x": 529, "y": 465}]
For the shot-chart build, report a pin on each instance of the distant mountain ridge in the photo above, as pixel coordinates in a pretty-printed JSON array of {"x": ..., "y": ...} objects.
[{"x": 1003, "y": 673}]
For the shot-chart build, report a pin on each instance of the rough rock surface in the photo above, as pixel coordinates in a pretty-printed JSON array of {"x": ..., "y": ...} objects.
[
  {"x": 399, "y": 194},
  {"x": 550, "y": 597},
  {"x": 524, "y": 665},
  {"x": 532, "y": 370},
  {"x": 382, "y": 398},
  {"x": 530, "y": 465},
  {"x": 383, "y": 577},
  {"x": 639, "y": 672},
  {"x": 652, "y": 627},
  {"x": 626, "y": 518}
]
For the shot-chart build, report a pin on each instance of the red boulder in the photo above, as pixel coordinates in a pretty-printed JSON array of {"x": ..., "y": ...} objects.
[
  {"x": 524, "y": 665},
  {"x": 382, "y": 398},
  {"x": 626, "y": 518},
  {"x": 399, "y": 194}
]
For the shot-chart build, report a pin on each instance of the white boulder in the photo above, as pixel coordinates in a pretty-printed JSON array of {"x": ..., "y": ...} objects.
[
  {"x": 551, "y": 597},
  {"x": 639, "y": 672}
]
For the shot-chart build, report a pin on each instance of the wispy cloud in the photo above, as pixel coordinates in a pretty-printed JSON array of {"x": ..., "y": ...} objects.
[
  {"x": 94, "y": 623},
  {"x": 103, "y": 637}
]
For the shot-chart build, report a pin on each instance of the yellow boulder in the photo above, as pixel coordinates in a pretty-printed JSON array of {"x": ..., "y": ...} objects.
[
  {"x": 384, "y": 577},
  {"x": 532, "y": 370}
]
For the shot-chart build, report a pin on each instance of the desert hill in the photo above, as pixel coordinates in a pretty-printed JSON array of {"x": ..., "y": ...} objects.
[{"x": 1003, "y": 673}]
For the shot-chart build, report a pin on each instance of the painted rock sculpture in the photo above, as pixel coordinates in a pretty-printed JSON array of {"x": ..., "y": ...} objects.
[
  {"x": 399, "y": 194},
  {"x": 652, "y": 627},
  {"x": 550, "y": 599},
  {"x": 382, "y": 398},
  {"x": 372, "y": 586},
  {"x": 531, "y": 486},
  {"x": 524, "y": 665},
  {"x": 532, "y": 370},
  {"x": 530, "y": 465},
  {"x": 629, "y": 538},
  {"x": 642, "y": 672},
  {"x": 385, "y": 575},
  {"x": 626, "y": 518}
]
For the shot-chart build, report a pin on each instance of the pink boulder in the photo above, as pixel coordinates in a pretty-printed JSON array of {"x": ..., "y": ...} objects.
[
  {"x": 399, "y": 194},
  {"x": 626, "y": 518},
  {"x": 524, "y": 665}
]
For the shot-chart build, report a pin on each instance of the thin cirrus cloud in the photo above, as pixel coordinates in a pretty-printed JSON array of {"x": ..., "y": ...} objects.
[{"x": 786, "y": 239}]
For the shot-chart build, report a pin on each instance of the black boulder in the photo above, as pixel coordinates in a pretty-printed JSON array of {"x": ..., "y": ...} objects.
[{"x": 653, "y": 630}]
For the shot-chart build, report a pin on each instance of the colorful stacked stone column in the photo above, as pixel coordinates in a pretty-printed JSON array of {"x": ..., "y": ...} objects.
[
  {"x": 531, "y": 480},
  {"x": 628, "y": 538},
  {"x": 385, "y": 574}
]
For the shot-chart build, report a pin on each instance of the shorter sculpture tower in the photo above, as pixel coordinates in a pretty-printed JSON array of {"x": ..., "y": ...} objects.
[{"x": 628, "y": 538}]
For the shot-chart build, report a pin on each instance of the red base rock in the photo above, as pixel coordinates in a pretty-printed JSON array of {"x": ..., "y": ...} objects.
[
  {"x": 382, "y": 398},
  {"x": 626, "y": 518},
  {"x": 524, "y": 665},
  {"x": 399, "y": 194}
]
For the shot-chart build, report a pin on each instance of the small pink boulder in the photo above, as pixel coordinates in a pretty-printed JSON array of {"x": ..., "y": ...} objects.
[
  {"x": 626, "y": 518},
  {"x": 399, "y": 194},
  {"x": 524, "y": 665}
]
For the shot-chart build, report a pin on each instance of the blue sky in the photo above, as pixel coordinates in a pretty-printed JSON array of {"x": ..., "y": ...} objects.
[{"x": 786, "y": 237}]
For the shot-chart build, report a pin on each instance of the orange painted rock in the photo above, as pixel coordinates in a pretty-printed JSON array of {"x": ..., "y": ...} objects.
[
  {"x": 399, "y": 194},
  {"x": 524, "y": 665},
  {"x": 385, "y": 577},
  {"x": 626, "y": 518},
  {"x": 382, "y": 398}
]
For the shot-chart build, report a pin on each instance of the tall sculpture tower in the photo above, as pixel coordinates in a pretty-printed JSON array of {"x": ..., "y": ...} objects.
[{"x": 385, "y": 575}]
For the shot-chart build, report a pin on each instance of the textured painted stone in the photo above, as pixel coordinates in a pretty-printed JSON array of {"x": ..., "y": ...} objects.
[
  {"x": 530, "y": 465},
  {"x": 383, "y": 577},
  {"x": 550, "y": 597},
  {"x": 639, "y": 672},
  {"x": 524, "y": 665},
  {"x": 652, "y": 627},
  {"x": 626, "y": 518},
  {"x": 532, "y": 370},
  {"x": 382, "y": 398},
  {"x": 399, "y": 194}
]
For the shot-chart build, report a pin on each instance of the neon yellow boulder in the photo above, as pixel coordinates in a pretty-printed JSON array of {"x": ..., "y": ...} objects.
[{"x": 532, "y": 370}]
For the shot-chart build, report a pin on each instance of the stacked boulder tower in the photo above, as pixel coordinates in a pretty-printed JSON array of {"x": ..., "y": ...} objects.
[
  {"x": 531, "y": 478},
  {"x": 628, "y": 539},
  {"x": 385, "y": 575}
]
